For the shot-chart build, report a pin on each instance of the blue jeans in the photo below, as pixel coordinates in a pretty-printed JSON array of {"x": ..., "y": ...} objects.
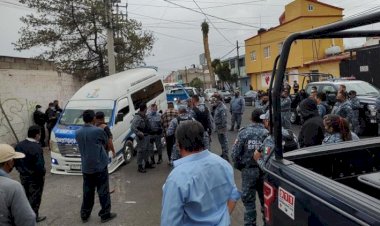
[{"x": 236, "y": 117}]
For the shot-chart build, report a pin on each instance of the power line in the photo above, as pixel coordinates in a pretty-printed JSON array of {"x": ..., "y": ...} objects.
[
  {"x": 228, "y": 53},
  {"x": 181, "y": 38},
  {"x": 212, "y": 23},
  {"x": 209, "y": 7},
  {"x": 220, "y": 18}
]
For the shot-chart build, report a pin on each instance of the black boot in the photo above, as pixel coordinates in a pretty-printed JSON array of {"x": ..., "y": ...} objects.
[
  {"x": 232, "y": 129},
  {"x": 149, "y": 165},
  {"x": 159, "y": 159},
  {"x": 152, "y": 160},
  {"x": 141, "y": 169}
]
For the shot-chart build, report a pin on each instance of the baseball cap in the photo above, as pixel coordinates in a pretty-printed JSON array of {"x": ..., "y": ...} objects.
[
  {"x": 265, "y": 116},
  {"x": 182, "y": 108},
  {"x": 7, "y": 153}
]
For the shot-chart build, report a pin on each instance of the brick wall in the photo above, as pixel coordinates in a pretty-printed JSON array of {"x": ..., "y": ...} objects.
[{"x": 24, "y": 83}]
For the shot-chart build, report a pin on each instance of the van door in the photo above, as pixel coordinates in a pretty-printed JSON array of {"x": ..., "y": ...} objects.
[{"x": 123, "y": 117}]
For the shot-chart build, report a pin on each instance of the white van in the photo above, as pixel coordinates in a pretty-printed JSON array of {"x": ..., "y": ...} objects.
[{"x": 119, "y": 97}]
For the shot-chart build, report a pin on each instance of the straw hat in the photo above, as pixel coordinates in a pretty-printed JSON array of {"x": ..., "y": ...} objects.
[{"x": 7, "y": 153}]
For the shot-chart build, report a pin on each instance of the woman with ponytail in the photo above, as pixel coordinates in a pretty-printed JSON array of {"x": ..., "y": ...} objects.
[{"x": 337, "y": 130}]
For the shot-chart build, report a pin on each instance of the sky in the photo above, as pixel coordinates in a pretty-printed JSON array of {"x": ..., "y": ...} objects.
[{"x": 177, "y": 31}]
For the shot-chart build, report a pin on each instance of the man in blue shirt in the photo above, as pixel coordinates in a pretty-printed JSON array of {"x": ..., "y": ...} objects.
[
  {"x": 92, "y": 141},
  {"x": 201, "y": 189}
]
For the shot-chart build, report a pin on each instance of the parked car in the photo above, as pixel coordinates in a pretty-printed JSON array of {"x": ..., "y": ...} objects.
[
  {"x": 366, "y": 93},
  {"x": 331, "y": 184},
  {"x": 250, "y": 97},
  {"x": 227, "y": 96}
]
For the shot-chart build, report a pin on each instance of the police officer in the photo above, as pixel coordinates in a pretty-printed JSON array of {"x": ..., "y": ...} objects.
[
  {"x": 296, "y": 87},
  {"x": 154, "y": 119},
  {"x": 343, "y": 107},
  {"x": 140, "y": 126},
  {"x": 220, "y": 119},
  {"x": 249, "y": 139},
  {"x": 286, "y": 109},
  {"x": 355, "y": 105},
  {"x": 40, "y": 119},
  {"x": 183, "y": 116},
  {"x": 201, "y": 113},
  {"x": 237, "y": 106}
]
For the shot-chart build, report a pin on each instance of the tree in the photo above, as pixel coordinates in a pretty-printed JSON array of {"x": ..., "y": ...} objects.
[
  {"x": 224, "y": 72},
  {"x": 73, "y": 34},
  {"x": 197, "y": 83},
  {"x": 205, "y": 30}
]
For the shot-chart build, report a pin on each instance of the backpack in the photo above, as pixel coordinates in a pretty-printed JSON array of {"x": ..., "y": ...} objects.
[
  {"x": 179, "y": 119},
  {"x": 290, "y": 142},
  {"x": 202, "y": 117}
]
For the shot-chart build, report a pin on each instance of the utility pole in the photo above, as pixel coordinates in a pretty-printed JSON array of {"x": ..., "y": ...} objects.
[
  {"x": 237, "y": 60},
  {"x": 110, "y": 38}
]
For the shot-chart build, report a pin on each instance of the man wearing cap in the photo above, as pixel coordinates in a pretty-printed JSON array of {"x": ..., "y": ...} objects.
[
  {"x": 249, "y": 139},
  {"x": 140, "y": 127},
  {"x": 290, "y": 141},
  {"x": 183, "y": 116},
  {"x": 14, "y": 205},
  {"x": 237, "y": 106},
  {"x": 166, "y": 118},
  {"x": 154, "y": 119},
  {"x": 220, "y": 119},
  {"x": 40, "y": 119},
  {"x": 92, "y": 141},
  {"x": 32, "y": 169}
]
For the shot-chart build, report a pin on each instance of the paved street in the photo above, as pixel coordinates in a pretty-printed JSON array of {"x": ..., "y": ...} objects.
[{"x": 137, "y": 197}]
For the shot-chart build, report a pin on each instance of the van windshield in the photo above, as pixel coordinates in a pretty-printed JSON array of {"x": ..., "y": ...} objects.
[
  {"x": 362, "y": 88},
  {"x": 72, "y": 115}
]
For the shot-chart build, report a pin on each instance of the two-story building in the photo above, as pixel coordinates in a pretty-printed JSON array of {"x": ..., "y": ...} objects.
[
  {"x": 244, "y": 81},
  {"x": 305, "y": 55}
]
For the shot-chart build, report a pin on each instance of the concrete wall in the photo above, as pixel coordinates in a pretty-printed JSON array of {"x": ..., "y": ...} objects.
[{"x": 24, "y": 83}]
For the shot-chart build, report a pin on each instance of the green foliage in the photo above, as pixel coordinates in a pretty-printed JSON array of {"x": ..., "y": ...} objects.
[
  {"x": 197, "y": 83},
  {"x": 223, "y": 71},
  {"x": 205, "y": 28},
  {"x": 73, "y": 34}
]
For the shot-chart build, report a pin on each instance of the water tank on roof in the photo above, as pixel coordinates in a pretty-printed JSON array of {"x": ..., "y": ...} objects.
[{"x": 333, "y": 50}]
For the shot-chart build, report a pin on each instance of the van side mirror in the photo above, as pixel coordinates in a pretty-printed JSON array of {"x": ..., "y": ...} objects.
[{"x": 119, "y": 117}]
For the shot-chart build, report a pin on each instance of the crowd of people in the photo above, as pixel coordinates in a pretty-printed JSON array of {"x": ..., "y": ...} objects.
[
  {"x": 47, "y": 120},
  {"x": 199, "y": 177}
]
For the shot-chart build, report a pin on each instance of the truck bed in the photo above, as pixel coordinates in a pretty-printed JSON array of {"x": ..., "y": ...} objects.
[{"x": 344, "y": 163}]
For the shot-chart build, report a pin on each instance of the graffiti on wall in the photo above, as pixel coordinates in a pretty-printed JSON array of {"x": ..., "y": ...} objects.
[{"x": 19, "y": 112}]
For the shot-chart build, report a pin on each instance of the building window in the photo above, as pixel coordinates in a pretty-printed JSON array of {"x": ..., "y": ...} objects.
[
  {"x": 267, "y": 52},
  {"x": 241, "y": 62},
  {"x": 253, "y": 55},
  {"x": 146, "y": 94},
  {"x": 232, "y": 63},
  {"x": 310, "y": 7},
  {"x": 280, "y": 47}
]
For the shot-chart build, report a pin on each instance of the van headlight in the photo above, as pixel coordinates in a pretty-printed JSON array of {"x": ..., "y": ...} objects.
[
  {"x": 372, "y": 109},
  {"x": 53, "y": 143}
]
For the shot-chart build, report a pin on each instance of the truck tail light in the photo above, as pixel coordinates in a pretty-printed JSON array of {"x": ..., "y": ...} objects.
[{"x": 269, "y": 196}]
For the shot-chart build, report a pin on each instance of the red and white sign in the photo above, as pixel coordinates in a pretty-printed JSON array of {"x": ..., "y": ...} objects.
[
  {"x": 265, "y": 79},
  {"x": 286, "y": 202}
]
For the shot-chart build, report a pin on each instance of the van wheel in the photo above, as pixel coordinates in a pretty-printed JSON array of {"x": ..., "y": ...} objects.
[{"x": 128, "y": 151}]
